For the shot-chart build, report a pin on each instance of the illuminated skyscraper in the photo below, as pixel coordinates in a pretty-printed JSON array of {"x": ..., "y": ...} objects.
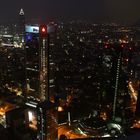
[
  {"x": 46, "y": 40},
  {"x": 32, "y": 60},
  {"x": 21, "y": 25},
  {"x": 37, "y": 64}
]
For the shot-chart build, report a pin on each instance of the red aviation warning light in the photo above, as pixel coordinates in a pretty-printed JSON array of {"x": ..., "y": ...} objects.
[
  {"x": 43, "y": 30},
  {"x": 122, "y": 45}
]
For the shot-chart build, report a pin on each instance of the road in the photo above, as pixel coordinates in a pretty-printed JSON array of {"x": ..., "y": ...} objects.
[{"x": 69, "y": 132}]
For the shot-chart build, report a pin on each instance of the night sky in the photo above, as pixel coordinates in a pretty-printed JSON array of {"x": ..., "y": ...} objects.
[{"x": 94, "y": 10}]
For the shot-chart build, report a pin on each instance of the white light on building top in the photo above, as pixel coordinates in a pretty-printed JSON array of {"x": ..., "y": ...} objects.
[{"x": 21, "y": 12}]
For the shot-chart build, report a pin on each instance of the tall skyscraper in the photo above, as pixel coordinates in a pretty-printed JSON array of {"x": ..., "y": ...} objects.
[
  {"x": 37, "y": 63},
  {"x": 46, "y": 40},
  {"x": 119, "y": 81},
  {"x": 38, "y": 81},
  {"x": 21, "y": 25},
  {"x": 32, "y": 60}
]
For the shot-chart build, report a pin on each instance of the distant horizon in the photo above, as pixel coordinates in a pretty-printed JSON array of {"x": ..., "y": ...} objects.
[{"x": 65, "y": 20}]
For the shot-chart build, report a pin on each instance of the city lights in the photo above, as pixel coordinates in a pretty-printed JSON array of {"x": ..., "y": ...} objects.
[
  {"x": 30, "y": 116},
  {"x": 69, "y": 79}
]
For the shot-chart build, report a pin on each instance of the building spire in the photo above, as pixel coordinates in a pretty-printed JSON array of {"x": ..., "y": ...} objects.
[{"x": 21, "y": 12}]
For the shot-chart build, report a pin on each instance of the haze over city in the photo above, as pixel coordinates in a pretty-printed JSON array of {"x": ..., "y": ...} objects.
[{"x": 125, "y": 11}]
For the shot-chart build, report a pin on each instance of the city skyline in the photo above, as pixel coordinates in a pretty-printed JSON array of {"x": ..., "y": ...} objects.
[
  {"x": 126, "y": 11},
  {"x": 69, "y": 69}
]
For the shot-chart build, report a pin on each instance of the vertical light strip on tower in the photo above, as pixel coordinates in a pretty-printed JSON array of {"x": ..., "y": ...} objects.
[
  {"x": 116, "y": 85},
  {"x": 21, "y": 25},
  {"x": 43, "y": 77}
]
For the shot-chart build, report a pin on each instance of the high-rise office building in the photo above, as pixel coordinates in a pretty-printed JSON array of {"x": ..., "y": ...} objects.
[
  {"x": 21, "y": 25},
  {"x": 45, "y": 74},
  {"x": 37, "y": 58},
  {"x": 38, "y": 81},
  {"x": 119, "y": 83},
  {"x": 32, "y": 60}
]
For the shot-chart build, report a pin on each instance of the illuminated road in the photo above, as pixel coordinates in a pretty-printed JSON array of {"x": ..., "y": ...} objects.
[
  {"x": 81, "y": 130},
  {"x": 133, "y": 91},
  {"x": 69, "y": 132},
  {"x": 136, "y": 124},
  {"x": 133, "y": 95}
]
